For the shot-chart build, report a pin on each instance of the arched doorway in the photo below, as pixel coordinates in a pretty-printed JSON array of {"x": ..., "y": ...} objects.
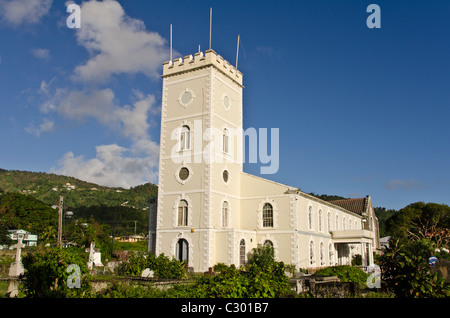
[{"x": 182, "y": 252}]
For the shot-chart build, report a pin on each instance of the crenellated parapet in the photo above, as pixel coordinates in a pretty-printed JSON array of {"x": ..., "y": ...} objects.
[{"x": 200, "y": 60}]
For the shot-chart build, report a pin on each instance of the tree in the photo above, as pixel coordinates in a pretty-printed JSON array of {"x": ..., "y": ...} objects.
[
  {"x": 83, "y": 232},
  {"x": 263, "y": 256},
  {"x": 4, "y": 238},
  {"x": 19, "y": 211},
  {"x": 419, "y": 221}
]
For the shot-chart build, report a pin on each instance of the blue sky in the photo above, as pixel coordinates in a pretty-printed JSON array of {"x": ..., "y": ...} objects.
[{"x": 360, "y": 110}]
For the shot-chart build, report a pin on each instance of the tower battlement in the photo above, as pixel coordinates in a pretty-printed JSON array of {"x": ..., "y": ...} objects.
[{"x": 200, "y": 60}]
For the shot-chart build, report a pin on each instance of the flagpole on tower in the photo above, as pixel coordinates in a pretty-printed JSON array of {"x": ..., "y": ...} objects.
[
  {"x": 237, "y": 51},
  {"x": 210, "y": 26},
  {"x": 170, "y": 42}
]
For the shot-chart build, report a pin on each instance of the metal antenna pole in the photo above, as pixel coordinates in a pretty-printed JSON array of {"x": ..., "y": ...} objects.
[
  {"x": 210, "y": 26},
  {"x": 237, "y": 51},
  {"x": 170, "y": 42},
  {"x": 60, "y": 213}
]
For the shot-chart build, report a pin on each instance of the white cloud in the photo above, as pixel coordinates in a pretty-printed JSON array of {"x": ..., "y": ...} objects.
[
  {"x": 132, "y": 121},
  {"x": 117, "y": 44},
  {"x": 20, "y": 12},
  {"x": 46, "y": 125},
  {"x": 404, "y": 184},
  {"x": 43, "y": 54},
  {"x": 113, "y": 166}
]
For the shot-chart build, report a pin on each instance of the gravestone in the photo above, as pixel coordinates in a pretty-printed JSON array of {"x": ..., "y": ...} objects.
[
  {"x": 95, "y": 257},
  {"x": 147, "y": 273}
]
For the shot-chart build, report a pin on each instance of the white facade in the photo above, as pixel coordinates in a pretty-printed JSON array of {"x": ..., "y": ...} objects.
[{"x": 209, "y": 211}]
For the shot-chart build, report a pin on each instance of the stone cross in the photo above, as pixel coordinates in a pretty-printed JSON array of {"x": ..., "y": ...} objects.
[{"x": 16, "y": 269}]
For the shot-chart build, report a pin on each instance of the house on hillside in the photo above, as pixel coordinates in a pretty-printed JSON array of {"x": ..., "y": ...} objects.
[{"x": 28, "y": 239}]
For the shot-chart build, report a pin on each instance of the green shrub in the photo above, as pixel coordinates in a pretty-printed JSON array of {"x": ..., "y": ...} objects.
[
  {"x": 47, "y": 273},
  {"x": 408, "y": 274},
  {"x": 345, "y": 273},
  {"x": 263, "y": 256},
  {"x": 249, "y": 282},
  {"x": 162, "y": 266}
]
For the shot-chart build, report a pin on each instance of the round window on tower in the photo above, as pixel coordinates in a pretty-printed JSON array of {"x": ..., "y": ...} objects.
[
  {"x": 225, "y": 176},
  {"x": 183, "y": 174},
  {"x": 226, "y": 102},
  {"x": 186, "y": 97}
]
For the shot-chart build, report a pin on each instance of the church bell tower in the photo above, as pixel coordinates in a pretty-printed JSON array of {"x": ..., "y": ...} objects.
[{"x": 200, "y": 162}]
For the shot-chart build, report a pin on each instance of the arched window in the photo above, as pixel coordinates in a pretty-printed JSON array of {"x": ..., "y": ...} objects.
[
  {"x": 330, "y": 254},
  {"x": 268, "y": 243},
  {"x": 337, "y": 222},
  {"x": 320, "y": 220},
  {"x": 183, "y": 213},
  {"x": 267, "y": 216},
  {"x": 343, "y": 223},
  {"x": 185, "y": 138},
  {"x": 242, "y": 252},
  {"x": 182, "y": 252},
  {"x": 310, "y": 218},
  {"x": 329, "y": 222},
  {"x": 349, "y": 224},
  {"x": 311, "y": 253},
  {"x": 225, "y": 208},
  {"x": 322, "y": 258},
  {"x": 226, "y": 141}
]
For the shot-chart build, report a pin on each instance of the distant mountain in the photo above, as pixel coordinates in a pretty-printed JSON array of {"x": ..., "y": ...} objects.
[{"x": 48, "y": 187}]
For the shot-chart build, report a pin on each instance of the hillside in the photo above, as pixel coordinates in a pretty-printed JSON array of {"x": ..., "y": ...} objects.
[
  {"x": 77, "y": 193},
  {"x": 22, "y": 212}
]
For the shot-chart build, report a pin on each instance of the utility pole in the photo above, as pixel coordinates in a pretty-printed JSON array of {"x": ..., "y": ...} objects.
[{"x": 60, "y": 213}]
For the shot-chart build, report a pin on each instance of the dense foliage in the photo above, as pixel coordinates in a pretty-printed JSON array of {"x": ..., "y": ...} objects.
[
  {"x": 417, "y": 221},
  {"x": 47, "y": 275},
  {"x": 121, "y": 219},
  {"x": 262, "y": 277},
  {"x": 19, "y": 211},
  {"x": 82, "y": 232},
  {"x": 383, "y": 215},
  {"x": 161, "y": 265},
  {"x": 249, "y": 282},
  {"x": 408, "y": 274},
  {"x": 345, "y": 273}
]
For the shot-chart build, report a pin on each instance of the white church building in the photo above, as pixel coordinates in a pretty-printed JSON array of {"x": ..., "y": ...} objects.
[{"x": 209, "y": 211}]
